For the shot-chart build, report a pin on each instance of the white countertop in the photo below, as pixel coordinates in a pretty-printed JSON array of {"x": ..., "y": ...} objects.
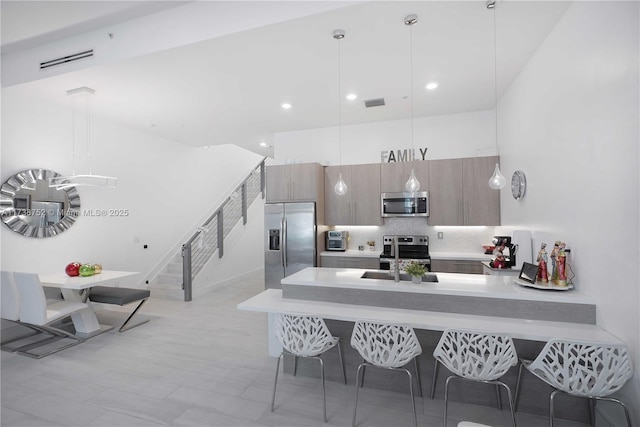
[
  {"x": 465, "y": 256},
  {"x": 271, "y": 301},
  {"x": 476, "y": 285}
]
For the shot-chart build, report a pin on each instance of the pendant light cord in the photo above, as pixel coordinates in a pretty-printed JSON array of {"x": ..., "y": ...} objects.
[
  {"x": 413, "y": 153},
  {"x": 495, "y": 76},
  {"x": 339, "y": 108}
]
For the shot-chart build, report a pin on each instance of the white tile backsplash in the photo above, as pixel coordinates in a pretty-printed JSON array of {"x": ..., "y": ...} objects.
[{"x": 456, "y": 239}]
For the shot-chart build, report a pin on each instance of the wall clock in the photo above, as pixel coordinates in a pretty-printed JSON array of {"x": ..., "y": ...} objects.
[{"x": 518, "y": 185}]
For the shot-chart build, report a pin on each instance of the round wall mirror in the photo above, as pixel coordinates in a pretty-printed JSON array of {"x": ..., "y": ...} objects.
[{"x": 31, "y": 207}]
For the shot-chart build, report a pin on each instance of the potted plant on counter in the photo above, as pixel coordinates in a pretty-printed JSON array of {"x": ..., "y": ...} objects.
[
  {"x": 372, "y": 245},
  {"x": 416, "y": 271}
]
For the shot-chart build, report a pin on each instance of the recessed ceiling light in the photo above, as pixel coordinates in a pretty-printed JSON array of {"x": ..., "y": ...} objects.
[
  {"x": 264, "y": 144},
  {"x": 432, "y": 85},
  {"x": 352, "y": 96},
  {"x": 286, "y": 106}
]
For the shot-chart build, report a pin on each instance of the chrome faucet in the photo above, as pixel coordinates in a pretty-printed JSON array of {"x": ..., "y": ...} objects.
[{"x": 396, "y": 254}]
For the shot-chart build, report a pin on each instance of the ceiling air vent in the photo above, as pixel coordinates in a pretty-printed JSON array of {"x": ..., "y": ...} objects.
[
  {"x": 374, "y": 102},
  {"x": 66, "y": 59}
]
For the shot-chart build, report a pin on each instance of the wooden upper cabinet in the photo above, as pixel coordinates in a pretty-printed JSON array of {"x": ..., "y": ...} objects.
[
  {"x": 278, "y": 180},
  {"x": 337, "y": 208},
  {"x": 394, "y": 175},
  {"x": 445, "y": 192},
  {"x": 481, "y": 202},
  {"x": 460, "y": 193},
  {"x": 301, "y": 182},
  {"x": 365, "y": 195},
  {"x": 361, "y": 204}
]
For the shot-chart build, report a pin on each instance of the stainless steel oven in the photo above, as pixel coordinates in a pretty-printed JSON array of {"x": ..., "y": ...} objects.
[
  {"x": 405, "y": 204},
  {"x": 410, "y": 248}
]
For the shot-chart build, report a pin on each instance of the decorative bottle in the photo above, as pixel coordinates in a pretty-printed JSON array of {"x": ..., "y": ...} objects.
[
  {"x": 543, "y": 274},
  {"x": 561, "y": 265}
]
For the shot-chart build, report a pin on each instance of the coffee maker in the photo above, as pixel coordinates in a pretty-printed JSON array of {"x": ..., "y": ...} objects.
[{"x": 509, "y": 250}]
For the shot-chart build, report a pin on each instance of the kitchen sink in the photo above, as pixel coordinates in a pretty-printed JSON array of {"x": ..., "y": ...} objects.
[{"x": 383, "y": 275}]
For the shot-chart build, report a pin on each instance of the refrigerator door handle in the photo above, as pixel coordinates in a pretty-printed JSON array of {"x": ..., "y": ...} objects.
[{"x": 284, "y": 242}]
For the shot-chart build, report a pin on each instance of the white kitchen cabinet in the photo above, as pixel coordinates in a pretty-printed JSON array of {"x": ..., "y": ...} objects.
[
  {"x": 361, "y": 204},
  {"x": 460, "y": 194}
]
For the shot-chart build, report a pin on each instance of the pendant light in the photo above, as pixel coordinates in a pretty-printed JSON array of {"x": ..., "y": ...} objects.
[
  {"x": 497, "y": 180},
  {"x": 81, "y": 127},
  {"x": 341, "y": 186},
  {"x": 412, "y": 185}
]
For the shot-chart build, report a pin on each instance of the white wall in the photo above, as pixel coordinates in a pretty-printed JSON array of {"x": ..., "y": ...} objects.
[
  {"x": 167, "y": 187},
  {"x": 447, "y": 136},
  {"x": 246, "y": 254},
  {"x": 570, "y": 122}
]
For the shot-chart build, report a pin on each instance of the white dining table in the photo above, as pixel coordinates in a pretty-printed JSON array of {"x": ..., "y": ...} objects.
[{"x": 75, "y": 289}]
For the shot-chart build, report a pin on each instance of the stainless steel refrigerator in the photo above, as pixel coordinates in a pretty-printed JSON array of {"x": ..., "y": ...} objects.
[{"x": 290, "y": 240}]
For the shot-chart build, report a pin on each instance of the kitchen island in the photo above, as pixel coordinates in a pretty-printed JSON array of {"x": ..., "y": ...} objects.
[
  {"x": 332, "y": 293},
  {"x": 452, "y": 293}
]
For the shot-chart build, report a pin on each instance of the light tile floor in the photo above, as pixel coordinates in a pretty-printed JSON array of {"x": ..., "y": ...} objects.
[{"x": 202, "y": 363}]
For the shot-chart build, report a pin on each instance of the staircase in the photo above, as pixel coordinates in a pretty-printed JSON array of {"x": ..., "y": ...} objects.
[
  {"x": 191, "y": 271},
  {"x": 169, "y": 282}
]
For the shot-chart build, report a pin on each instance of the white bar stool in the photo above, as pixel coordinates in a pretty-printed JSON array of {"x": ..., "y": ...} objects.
[
  {"x": 388, "y": 346},
  {"x": 581, "y": 368},
  {"x": 305, "y": 336},
  {"x": 475, "y": 356}
]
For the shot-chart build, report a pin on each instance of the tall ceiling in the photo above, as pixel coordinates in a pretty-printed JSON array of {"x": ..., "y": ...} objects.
[{"x": 229, "y": 88}]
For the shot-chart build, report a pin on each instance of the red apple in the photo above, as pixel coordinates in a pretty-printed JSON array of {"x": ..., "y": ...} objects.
[{"x": 73, "y": 269}]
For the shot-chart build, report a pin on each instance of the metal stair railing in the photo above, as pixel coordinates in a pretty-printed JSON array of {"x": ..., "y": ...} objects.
[{"x": 210, "y": 236}]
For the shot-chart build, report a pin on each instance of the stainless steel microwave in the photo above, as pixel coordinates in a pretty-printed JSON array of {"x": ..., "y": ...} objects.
[{"x": 405, "y": 204}]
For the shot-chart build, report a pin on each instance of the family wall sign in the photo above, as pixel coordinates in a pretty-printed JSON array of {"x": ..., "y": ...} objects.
[{"x": 402, "y": 155}]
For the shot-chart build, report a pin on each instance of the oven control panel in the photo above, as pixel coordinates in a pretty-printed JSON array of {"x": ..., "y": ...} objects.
[{"x": 407, "y": 240}]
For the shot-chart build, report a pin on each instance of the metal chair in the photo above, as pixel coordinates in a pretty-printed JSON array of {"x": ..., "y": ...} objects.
[
  {"x": 35, "y": 313},
  {"x": 10, "y": 300},
  {"x": 581, "y": 368},
  {"x": 388, "y": 346},
  {"x": 305, "y": 336},
  {"x": 475, "y": 356}
]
